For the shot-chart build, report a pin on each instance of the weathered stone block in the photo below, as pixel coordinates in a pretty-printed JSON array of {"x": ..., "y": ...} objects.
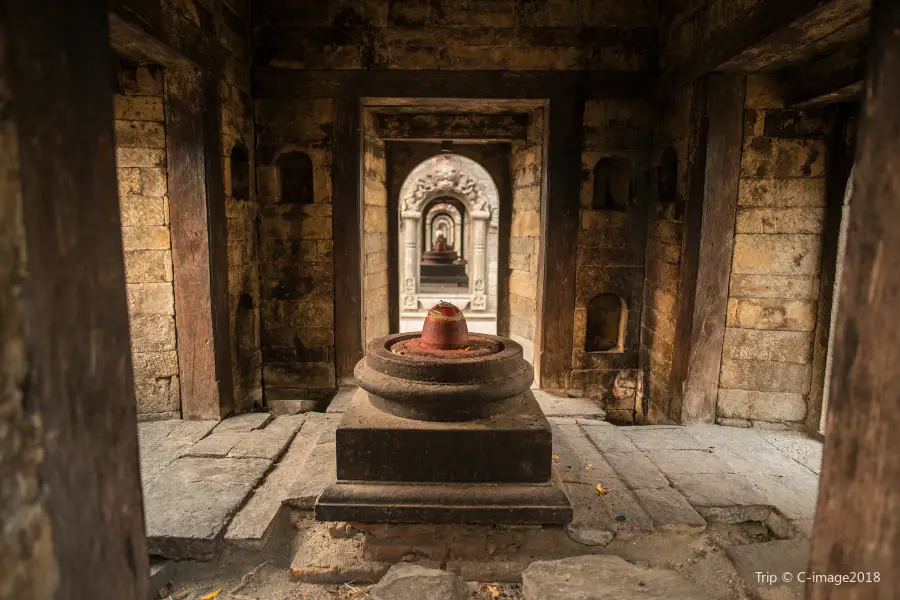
[
  {"x": 523, "y": 246},
  {"x": 316, "y": 228},
  {"x": 145, "y": 238},
  {"x": 154, "y": 365},
  {"x": 523, "y": 284},
  {"x": 779, "y": 346},
  {"x": 138, "y": 108},
  {"x": 376, "y": 302},
  {"x": 139, "y": 211},
  {"x": 663, "y": 275},
  {"x": 150, "y": 298},
  {"x": 797, "y": 254},
  {"x": 376, "y": 262},
  {"x": 526, "y": 223},
  {"x": 763, "y": 91},
  {"x": 527, "y": 198},
  {"x": 765, "y": 406},
  {"x": 376, "y": 280},
  {"x": 152, "y": 333},
  {"x": 773, "y": 157},
  {"x": 758, "y": 313},
  {"x": 140, "y": 134},
  {"x": 140, "y": 157},
  {"x": 129, "y": 181},
  {"x": 299, "y": 375},
  {"x": 802, "y": 287},
  {"x": 765, "y": 376},
  {"x": 523, "y": 307},
  {"x": 143, "y": 81},
  {"x": 780, "y": 220},
  {"x": 154, "y": 396},
  {"x": 796, "y": 192},
  {"x": 153, "y": 182},
  {"x": 145, "y": 266}
]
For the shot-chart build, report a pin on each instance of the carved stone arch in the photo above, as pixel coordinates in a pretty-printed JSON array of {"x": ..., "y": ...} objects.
[
  {"x": 455, "y": 176},
  {"x": 452, "y": 213}
]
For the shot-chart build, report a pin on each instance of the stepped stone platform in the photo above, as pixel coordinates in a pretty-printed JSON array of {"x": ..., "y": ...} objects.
[{"x": 210, "y": 487}]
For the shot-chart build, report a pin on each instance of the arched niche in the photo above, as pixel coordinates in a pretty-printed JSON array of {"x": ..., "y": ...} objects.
[
  {"x": 295, "y": 178},
  {"x": 613, "y": 184},
  {"x": 605, "y": 327},
  {"x": 442, "y": 209},
  {"x": 667, "y": 177},
  {"x": 463, "y": 179},
  {"x": 240, "y": 172}
]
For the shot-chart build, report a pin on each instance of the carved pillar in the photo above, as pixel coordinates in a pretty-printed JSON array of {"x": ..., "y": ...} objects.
[
  {"x": 479, "y": 259},
  {"x": 410, "y": 259}
]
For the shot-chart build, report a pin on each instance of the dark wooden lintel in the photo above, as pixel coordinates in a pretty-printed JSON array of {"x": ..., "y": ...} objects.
[
  {"x": 443, "y": 126},
  {"x": 280, "y": 83},
  {"x": 833, "y": 78}
]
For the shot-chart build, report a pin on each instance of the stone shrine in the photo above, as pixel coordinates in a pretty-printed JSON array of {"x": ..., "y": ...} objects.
[
  {"x": 442, "y": 264},
  {"x": 444, "y": 429}
]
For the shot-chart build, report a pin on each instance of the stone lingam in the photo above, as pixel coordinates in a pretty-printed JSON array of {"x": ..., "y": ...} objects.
[
  {"x": 444, "y": 429},
  {"x": 441, "y": 264}
]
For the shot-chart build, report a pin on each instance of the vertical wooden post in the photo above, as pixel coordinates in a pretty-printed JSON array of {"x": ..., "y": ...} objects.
[
  {"x": 347, "y": 231},
  {"x": 559, "y": 240},
  {"x": 857, "y": 527},
  {"x": 199, "y": 259},
  {"x": 708, "y": 245},
  {"x": 79, "y": 390}
]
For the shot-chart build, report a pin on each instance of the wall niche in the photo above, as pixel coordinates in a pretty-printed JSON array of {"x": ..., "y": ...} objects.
[
  {"x": 605, "y": 324},
  {"x": 613, "y": 184},
  {"x": 240, "y": 172},
  {"x": 295, "y": 177}
]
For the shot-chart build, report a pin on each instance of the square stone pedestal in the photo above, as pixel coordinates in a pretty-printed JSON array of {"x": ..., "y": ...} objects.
[{"x": 492, "y": 470}]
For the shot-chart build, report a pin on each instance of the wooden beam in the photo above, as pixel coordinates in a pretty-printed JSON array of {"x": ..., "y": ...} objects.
[
  {"x": 198, "y": 225},
  {"x": 346, "y": 172},
  {"x": 283, "y": 83},
  {"x": 841, "y": 146},
  {"x": 856, "y": 527},
  {"x": 78, "y": 392},
  {"x": 559, "y": 241},
  {"x": 453, "y": 127},
  {"x": 745, "y": 32},
  {"x": 833, "y": 78},
  {"x": 708, "y": 246}
]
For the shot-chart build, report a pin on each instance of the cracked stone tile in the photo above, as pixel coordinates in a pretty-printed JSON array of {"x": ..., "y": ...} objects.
[
  {"x": 663, "y": 438},
  {"x": 245, "y": 422}
]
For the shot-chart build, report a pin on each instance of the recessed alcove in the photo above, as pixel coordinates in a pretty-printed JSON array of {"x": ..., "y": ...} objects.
[
  {"x": 240, "y": 172},
  {"x": 605, "y": 324},
  {"x": 295, "y": 176},
  {"x": 613, "y": 184}
]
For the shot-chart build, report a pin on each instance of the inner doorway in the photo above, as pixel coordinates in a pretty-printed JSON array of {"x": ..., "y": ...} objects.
[{"x": 448, "y": 224}]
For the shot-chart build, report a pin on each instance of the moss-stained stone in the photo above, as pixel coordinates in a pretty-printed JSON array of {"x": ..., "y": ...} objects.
[
  {"x": 777, "y": 346},
  {"x": 776, "y": 313}
]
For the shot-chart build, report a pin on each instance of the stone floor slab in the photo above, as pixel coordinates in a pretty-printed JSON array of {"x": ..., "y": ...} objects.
[
  {"x": 806, "y": 451},
  {"x": 603, "y": 578},
  {"x": 669, "y": 510},
  {"x": 685, "y": 462},
  {"x": 189, "y": 504},
  {"x": 608, "y": 439},
  {"x": 162, "y": 442},
  {"x": 290, "y": 407},
  {"x": 716, "y": 490},
  {"x": 319, "y": 471},
  {"x": 636, "y": 470},
  {"x": 554, "y": 406},
  {"x": 762, "y": 567},
  {"x": 663, "y": 438},
  {"x": 216, "y": 445},
  {"x": 269, "y": 442},
  {"x": 252, "y": 526},
  {"x": 245, "y": 422},
  {"x": 342, "y": 400}
]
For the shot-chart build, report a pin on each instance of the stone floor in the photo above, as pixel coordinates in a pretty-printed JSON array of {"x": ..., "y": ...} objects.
[{"x": 712, "y": 504}]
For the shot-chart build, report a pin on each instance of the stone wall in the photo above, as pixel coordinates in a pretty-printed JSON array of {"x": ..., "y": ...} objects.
[
  {"x": 663, "y": 260},
  {"x": 242, "y": 206},
  {"x": 295, "y": 238},
  {"x": 26, "y": 542},
  {"x": 766, "y": 364},
  {"x": 526, "y": 163},
  {"x": 375, "y": 233},
  {"x": 141, "y": 170},
  {"x": 457, "y": 34},
  {"x": 610, "y": 262}
]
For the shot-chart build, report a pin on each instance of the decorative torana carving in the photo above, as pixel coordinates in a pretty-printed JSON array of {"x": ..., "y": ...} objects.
[{"x": 445, "y": 177}]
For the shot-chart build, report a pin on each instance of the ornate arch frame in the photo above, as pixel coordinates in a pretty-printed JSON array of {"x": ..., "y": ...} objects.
[
  {"x": 457, "y": 177},
  {"x": 444, "y": 211}
]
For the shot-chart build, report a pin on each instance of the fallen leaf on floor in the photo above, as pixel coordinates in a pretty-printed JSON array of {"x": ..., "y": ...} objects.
[
  {"x": 555, "y": 456},
  {"x": 211, "y": 595},
  {"x": 495, "y": 593},
  {"x": 620, "y": 517},
  {"x": 600, "y": 490},
  {"x": 588, "y": 466}
]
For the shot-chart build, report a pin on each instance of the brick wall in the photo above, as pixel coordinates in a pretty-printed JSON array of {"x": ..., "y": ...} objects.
[
  {"x": 295, "y": 238},
  {"x": 766, "y": 364},
  {"x": 141, "y": 170},
  {"x": 664, "y": 246},
  {"x": 457, "y": 34},
  {"x": 375, "y": 232},
  {"x": 618, "y": 138},
  {"x": 25, "y": 538},
  {"x": 242, "y": 206},
  {"x": 526, "y": 163}
]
